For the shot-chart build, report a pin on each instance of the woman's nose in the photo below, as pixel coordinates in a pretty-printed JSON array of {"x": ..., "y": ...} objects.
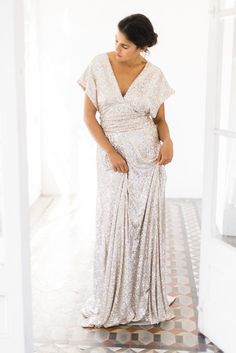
[{"x": 117, "y": 48}]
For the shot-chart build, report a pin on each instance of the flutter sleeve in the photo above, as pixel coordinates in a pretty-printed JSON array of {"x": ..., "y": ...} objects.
[
  {"x": 160, "y": 92},
  {"x": 88, "y": 82}
]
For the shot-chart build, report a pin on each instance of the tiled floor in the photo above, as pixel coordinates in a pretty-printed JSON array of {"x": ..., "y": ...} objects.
[{"x": 62, "y": 251}]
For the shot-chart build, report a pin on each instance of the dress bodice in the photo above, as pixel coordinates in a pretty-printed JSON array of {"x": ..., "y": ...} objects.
[{"x": 133, "y": 110}]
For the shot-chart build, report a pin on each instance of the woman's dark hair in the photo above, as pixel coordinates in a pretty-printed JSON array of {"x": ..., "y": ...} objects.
[{"x": 139, "y": 30}]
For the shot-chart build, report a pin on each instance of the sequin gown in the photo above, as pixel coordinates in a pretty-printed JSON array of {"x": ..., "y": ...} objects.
[{"x": 129, "y": 255}]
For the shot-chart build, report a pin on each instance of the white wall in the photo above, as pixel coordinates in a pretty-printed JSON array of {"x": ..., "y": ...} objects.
[
  {"x": 32, "y": 87},
  {"x": 71, "y": 33}
]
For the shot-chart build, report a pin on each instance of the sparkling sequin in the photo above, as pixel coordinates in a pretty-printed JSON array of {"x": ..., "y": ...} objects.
[{"x": 129, "y": 255}]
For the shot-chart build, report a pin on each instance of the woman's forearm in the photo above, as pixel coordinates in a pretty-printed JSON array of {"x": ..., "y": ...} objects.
[
  {"x": 98, "y": 134},
  {"x": 163, "y": 130}
]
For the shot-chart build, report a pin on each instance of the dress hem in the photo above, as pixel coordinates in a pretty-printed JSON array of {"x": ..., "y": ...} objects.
[{"x": 170, "y": 300}]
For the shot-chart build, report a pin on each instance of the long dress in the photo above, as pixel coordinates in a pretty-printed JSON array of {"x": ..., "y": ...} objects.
[{"x": 129, "y": 254}]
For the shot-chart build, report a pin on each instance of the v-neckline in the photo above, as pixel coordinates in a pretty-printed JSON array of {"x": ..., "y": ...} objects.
[{"x": 116, "y": 82}]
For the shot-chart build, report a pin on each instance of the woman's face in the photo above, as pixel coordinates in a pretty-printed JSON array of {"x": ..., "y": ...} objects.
[{"x": 124, "y": 49}]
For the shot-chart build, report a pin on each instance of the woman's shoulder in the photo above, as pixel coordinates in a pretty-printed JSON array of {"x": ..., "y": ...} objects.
[
  {"x": 97, "y": 59},
  {"x": 157, "y": 71},
  {"x": 155, "y": 68},
  {"x": 160, "y": 81}
]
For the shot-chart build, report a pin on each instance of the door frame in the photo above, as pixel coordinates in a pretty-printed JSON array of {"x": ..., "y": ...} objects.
[
  {"x": 212, "y": 247},
  {"x": 15, "y": 267}
]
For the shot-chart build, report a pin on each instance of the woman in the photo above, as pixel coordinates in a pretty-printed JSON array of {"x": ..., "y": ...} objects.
[{"x": 129, "y": 256}]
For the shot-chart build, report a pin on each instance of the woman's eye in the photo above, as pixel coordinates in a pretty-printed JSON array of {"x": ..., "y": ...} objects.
[{"x": 122, "y": 45}]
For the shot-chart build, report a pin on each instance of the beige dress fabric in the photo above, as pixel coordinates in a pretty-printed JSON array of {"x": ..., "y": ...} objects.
[{"x": 129, "y": 256}]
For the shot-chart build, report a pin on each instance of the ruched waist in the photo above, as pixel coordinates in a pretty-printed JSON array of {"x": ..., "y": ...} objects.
[{"x": 121, "y": 123}]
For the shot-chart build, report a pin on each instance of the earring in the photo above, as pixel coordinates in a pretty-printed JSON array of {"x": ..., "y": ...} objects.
[{"x": 146, "y": 52}]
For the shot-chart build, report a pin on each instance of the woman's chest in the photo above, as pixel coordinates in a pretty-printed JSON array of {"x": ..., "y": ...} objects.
[
  {"x": 125, "y": 78},
  {"x": 122, "y": 88}
]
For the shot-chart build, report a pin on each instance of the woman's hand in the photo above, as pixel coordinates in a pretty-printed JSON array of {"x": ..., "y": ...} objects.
[
  {"x": 119, "y": 164},
  {"x": 166, "y": 152}
]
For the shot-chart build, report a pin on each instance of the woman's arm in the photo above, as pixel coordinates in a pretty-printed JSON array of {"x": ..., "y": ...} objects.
[
  {"x": 94, "y": 127},
  {"x": 166, "y": 150},
  {"x": 118, "y": 163},
  {"x": 159, "y": 120}
]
